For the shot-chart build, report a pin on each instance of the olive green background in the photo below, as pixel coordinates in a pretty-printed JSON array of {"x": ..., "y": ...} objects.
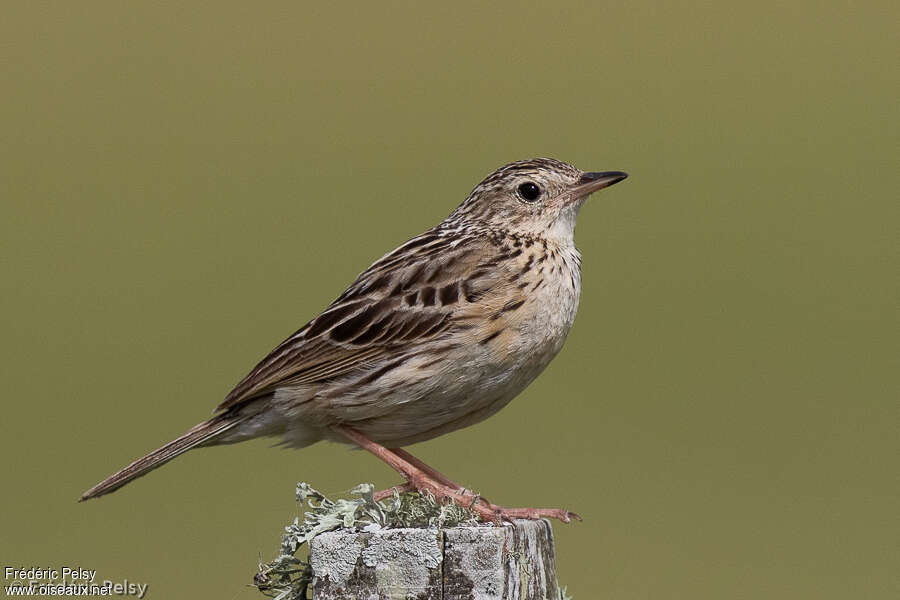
[{"x": 184, "y": 186}]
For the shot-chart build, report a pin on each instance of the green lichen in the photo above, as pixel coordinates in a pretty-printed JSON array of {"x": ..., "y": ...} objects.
[{"x": 288, "y": 577}]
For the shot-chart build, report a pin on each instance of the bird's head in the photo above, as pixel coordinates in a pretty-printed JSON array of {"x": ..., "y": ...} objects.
[{"x": 539, "y": 196}]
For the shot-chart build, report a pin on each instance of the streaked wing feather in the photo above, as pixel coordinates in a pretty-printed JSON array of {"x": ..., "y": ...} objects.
[{"x": 408, "y": 297}]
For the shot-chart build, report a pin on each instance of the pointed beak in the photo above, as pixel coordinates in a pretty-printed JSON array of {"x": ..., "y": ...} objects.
[{"x": 591, "y": 182}]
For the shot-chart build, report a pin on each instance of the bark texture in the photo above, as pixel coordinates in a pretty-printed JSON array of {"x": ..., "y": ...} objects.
[{"x": 513, "y": 562}]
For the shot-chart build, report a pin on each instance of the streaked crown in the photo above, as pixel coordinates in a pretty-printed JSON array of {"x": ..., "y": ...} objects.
[{"x": 531, "y": 196}]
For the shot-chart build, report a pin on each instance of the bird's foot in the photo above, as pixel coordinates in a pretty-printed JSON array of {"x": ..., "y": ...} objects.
[
  {"x": 387, "y": 493},
  {"x": 509, "y": 514},
  {"x": 422, "y": 478},
  {"x": 443, "y": 493},
  {"x": 448, "y": 491},
  {"x": 484, "y": 509},
  {"x": 456, "y": 489},
  {"x": 497, "y": 514}
]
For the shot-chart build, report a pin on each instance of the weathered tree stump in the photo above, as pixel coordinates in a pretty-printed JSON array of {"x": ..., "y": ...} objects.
[{"x": 513, "y": 562}]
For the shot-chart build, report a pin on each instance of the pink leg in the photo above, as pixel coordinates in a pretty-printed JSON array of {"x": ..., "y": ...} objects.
[
  {"x": 433, "y": 473},
  {"x": 416, "y": 477},
  {"x": 387, "y": 493},
  {"x": 421, "y": 477},
  {"x": 438, "y": 476}
]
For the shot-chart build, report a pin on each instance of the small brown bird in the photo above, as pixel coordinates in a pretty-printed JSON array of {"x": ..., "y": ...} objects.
[{"x": 436, "y": 335}]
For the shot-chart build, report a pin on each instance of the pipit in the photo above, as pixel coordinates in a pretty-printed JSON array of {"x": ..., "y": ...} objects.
[{"x": 436, "y": 335}]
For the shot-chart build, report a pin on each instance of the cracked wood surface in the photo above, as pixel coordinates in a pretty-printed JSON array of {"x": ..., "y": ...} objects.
[{"x": 515, "y": 561}]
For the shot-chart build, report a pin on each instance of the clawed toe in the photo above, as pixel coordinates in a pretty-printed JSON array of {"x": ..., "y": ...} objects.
[
  {"x": 537, "y": 513},
  {"x": 486, "y": 511},
  {"x": 400, "y": 489}
]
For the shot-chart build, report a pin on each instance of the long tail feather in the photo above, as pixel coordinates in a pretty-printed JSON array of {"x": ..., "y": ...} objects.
[{"x": 198, "y": 434}]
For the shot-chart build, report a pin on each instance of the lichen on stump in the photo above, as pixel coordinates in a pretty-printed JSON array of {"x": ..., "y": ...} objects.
[
  {"x": 515, "y": 561},
  {"x": 408, "y": 546}
]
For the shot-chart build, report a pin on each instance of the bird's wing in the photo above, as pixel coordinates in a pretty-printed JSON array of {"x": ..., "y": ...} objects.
[{"x": 413, "y": 295}]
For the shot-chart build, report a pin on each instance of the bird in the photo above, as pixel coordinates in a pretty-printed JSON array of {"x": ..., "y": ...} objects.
[{"x": 436, "y": 335}]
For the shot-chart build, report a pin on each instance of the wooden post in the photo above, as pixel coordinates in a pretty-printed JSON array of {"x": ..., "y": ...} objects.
[{"x": 513, "y": 562}]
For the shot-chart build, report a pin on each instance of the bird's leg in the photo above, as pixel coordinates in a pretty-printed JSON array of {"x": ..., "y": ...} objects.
[
  {"x": 434, "y": 474},
  {"x": 416, "y": 477},
  {"x": 507, "y": 513},
  {"x": 437, "y": 475},
  {"x": 387, "y": 493},
  {"x": 428, "y": 480}
]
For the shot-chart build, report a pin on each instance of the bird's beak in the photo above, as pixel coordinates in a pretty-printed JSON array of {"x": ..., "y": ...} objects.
[{"x": 591, "y": 182}]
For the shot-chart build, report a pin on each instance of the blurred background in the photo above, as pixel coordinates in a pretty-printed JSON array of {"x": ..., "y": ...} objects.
[{"x": 184, "y": 186}]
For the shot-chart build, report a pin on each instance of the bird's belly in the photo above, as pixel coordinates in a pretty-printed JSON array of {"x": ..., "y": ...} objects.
[
  {"x": 471, "y": 382},
  {"x": 464, "y": 393}
]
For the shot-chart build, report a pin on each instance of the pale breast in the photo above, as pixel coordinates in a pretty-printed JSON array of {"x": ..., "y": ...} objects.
[
  {"x": 517, "y": 337},
  {"x": 554, "y": 295},
  {"x": 505, "y": 334}
]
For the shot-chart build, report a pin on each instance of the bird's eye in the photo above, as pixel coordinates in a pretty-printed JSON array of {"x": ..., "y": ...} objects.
[{"x": 529, "y": 191}]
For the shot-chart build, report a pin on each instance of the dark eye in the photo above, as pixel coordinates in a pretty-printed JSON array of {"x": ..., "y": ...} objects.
[{"x": 529, "y": 191}]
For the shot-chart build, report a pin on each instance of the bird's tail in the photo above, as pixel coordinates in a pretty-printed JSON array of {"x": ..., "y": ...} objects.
[{"x": 195, "y": 436}]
